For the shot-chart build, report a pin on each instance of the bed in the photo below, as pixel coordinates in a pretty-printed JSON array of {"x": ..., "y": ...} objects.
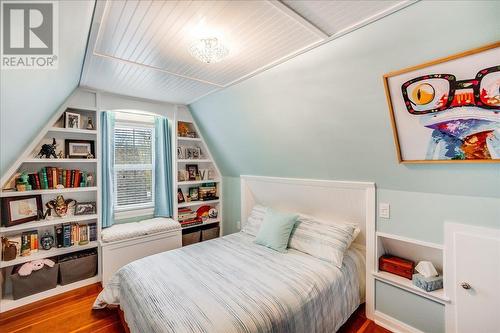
[{"x": 231, "y": 284}]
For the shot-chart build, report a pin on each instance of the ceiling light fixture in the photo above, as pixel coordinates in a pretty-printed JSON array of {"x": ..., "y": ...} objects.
[{"x": 208, "y": 50}]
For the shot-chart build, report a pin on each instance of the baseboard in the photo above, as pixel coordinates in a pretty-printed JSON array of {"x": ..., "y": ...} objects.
[{"x": 393, "y": 324}]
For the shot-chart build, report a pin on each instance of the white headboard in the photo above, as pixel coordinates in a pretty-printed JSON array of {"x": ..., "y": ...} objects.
[{"x": 352, "y": 202}]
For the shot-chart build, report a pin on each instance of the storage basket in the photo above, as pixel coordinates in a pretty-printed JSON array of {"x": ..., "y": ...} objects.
[
  {"x": 38, "y": 281},
  {"x": 191, "y": 238},
  {"x": 209, "y": 233},
  {"x": 77, "y": 269}
]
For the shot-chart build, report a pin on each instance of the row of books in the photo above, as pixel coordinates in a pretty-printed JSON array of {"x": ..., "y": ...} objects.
[
  {"x": 50, "y": 177},
  {"x": 207, "y": 191},
  {"x": 66, "y": 235},
  {"x": 187, "y": 217},
  {"x": 69, "y": 234}
]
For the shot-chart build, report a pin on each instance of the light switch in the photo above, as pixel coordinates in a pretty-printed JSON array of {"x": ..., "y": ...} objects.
[{"x": 384, "y": 210}]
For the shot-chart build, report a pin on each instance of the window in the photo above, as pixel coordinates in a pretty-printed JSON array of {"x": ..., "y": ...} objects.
[{"x": 134, "y": 166}]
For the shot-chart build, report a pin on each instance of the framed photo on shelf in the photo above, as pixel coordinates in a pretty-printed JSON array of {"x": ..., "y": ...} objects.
[
  {"x": 180, "y": 196},
  {"x": 18, "y": 210},
  {"x": 192, "y": 153},
  {"x": 194, "y": 193},
  {"x": 85, "y": 208},
  {"x": 192, "y": 170},
  {"x": 180, "y": 153},
  {"x": 79, "y": 148},
  {"x": 72, "y": 120}
]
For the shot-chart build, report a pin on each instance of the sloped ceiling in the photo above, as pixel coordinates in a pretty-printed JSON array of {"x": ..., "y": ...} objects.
[
  {"x": 29, "y": 97},
  {"x": 140, "y": 48}
]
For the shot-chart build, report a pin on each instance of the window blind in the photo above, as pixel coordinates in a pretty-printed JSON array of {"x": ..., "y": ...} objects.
[{"x": 133, "y": 166}]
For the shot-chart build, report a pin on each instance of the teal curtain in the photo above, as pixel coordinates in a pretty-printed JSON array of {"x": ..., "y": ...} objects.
[
  {"x": 107, "y": 167},
  {"x": 163, "y": 168}
]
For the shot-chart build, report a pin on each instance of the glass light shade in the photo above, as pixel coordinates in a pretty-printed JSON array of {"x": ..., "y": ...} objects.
[{"x": 208, "y": 50}]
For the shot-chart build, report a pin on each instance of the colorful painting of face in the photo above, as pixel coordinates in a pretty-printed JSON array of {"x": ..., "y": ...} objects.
[{"x": 448, "y": 109}]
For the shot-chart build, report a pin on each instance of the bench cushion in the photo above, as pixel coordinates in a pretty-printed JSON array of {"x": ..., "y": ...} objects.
[{"x": 134, "y": 229}]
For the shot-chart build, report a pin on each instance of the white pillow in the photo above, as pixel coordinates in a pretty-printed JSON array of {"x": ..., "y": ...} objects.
[
  {"x": 252, "y": 225},
  {"x": 324, "y": 240}
]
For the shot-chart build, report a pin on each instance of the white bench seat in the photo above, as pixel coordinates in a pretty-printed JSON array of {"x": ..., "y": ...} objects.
[{"x": 123, "y": 243}]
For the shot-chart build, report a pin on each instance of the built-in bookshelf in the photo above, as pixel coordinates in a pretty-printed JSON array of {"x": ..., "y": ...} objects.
[
  {"x": 198, "y": 179},
  {"x": 74, "y": 175}
]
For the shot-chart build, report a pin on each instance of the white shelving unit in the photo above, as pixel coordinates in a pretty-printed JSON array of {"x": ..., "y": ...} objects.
[
  {"x": 205, "y": 162},
  {"x": 83, "y": 102},
  {"x": 414, "y": 250}
]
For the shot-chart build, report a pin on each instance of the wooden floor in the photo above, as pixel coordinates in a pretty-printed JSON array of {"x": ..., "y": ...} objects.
[{"x": 72, "y": 312}]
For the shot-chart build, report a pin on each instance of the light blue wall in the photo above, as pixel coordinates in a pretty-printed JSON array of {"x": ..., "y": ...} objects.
[
  {"x": 28, "y": 98},
  {"x": 324, "y": 115}
]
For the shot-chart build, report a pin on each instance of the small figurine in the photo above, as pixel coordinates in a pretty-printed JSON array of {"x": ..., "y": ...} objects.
[
  {"x": 59, "y": 205},
  {"x": 60, "y": 154},
  {"x": 47, "y": 241},
  {"x": 48, "y": 150},
  {"x": 212, "y": 213},
  {"x": 89, "y": 182},
  {"x": 90, "y": 156},
  {"x": 22, "y": 183},
  {"x": 90, "y": 124}
]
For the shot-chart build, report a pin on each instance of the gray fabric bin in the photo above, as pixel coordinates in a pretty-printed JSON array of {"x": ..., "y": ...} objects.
[
  {"x": 209, "y": 233},
  {"x": 77, "y": 269},
  {"x": 38, "y": 281},
  {"x": 191, "y": 238}
]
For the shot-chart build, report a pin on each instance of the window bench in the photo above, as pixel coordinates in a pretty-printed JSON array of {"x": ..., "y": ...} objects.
[{"x": 124, "y": 243}]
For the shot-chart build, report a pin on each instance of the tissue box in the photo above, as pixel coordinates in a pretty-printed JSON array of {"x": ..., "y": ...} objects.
[{"x": 428, "y": 284}]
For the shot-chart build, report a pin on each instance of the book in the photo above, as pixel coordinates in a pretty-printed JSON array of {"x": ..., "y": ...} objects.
[
  {"x": 58, "y": 230},
  {"x": 84, "y": 234},
  {"x": 25, "y": 244},
  {"x": 33, "y": 240},
  {"x": 92, "y": 232},
  {"x": 37, "y": 181},
  {"x": 54, "y": 177},
  {"x": 68, "y": 179},
  {"x": 66, "y": 235},
  {"x": 72, "y": 183}
]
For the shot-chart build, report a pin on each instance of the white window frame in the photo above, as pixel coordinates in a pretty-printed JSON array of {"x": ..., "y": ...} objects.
[{"x": 135, "y": 209}]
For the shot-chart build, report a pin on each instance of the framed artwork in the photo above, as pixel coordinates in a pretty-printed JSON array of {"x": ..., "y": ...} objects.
[
  {"x": 17, "y": 210},
  {"x": 71, "y": 120},
  {"x": 192, "y": 170},
  {"x": 79, "y": 148},
  {"x": 447, "y": 110},
  {"x": 194, "y": 193},
  {"x": 85, "y": 208}
]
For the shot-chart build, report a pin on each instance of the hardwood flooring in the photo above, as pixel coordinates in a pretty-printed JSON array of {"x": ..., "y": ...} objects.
[{"x": 72, "y": 312}]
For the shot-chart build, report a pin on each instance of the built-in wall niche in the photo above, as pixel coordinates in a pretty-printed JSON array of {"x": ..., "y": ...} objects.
[
  {"x": 65, "y": 145},
  {"x": 77, "y": 119}
]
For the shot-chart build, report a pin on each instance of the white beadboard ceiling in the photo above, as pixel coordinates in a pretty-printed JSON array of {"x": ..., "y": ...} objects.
[{"x": 140, "y": 48}]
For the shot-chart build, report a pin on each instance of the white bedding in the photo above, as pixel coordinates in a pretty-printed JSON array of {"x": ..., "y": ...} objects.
[{"x": 231, "y": 284}]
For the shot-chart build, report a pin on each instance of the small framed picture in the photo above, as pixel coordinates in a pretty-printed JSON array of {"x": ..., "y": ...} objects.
[
  {"x": 71, "y": 120},
  {"x": 180, "y": 196},
  {"x": 193, "y": 193},
  {"x": 193, "y": 153},
  {"x": 79, "y": 148},
  {"x": 192, "y": 170},
  {"x": 85, "y": 208},
  {"x": 17, "y": 210}
]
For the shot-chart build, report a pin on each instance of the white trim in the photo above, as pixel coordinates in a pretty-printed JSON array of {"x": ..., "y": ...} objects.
[
  {"x": 299, "y": 19},
  {"x": 393, "y": 324},
  {"x": 410, "y": 240},
  {"x": 133, "y": 212}
]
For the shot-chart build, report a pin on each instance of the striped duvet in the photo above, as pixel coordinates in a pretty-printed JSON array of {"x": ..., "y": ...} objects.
[{"x": 231, "y": 284}]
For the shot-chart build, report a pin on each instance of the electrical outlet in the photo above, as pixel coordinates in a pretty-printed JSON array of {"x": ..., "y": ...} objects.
[{"x": 384, "y": 210}]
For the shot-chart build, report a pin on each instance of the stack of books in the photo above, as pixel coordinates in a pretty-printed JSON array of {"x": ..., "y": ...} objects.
[
  {"x": 188, "y": 217},
  {"x": 50, "y": 177},
  {"x": 207, "y": 191},
  {"x": 69, "y": 234}
]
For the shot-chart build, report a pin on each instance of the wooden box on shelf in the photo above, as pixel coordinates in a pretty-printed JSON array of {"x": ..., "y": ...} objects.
[{"x": 396, "y": 265}]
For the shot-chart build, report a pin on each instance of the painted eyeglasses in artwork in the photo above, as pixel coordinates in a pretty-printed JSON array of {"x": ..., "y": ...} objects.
[{"x": 471, "y": 131}]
